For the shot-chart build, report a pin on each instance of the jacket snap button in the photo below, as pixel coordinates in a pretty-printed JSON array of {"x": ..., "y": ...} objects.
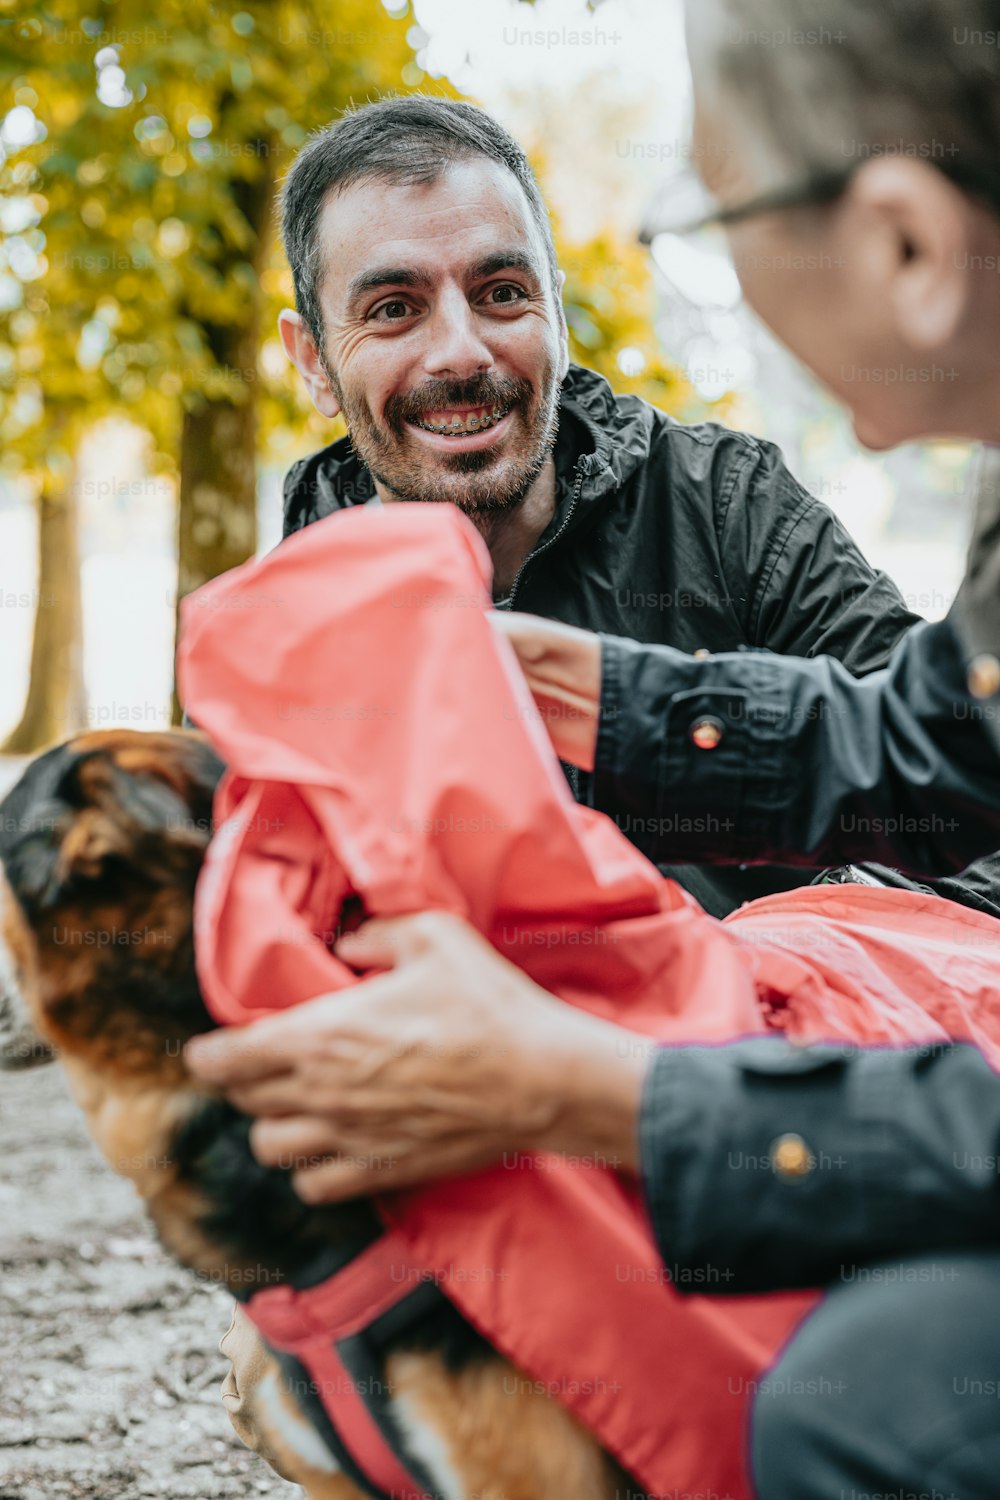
[
  {"x": 791, "y": 1157},
  {"x": 706, "y": 732},
  {"x": 984, "y": 676}
]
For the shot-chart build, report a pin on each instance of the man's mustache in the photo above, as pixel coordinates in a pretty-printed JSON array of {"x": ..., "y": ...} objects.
[{"x": 440, "y": 395}]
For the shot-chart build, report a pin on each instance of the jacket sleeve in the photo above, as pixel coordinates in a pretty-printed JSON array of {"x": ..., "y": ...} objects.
[
  {"x": 767, "y": 1166},
  {"x": 751, "y": 757}
]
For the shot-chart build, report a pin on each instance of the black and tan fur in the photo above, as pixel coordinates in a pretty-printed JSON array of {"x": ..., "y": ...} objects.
[{"x": 105, "y": 836}]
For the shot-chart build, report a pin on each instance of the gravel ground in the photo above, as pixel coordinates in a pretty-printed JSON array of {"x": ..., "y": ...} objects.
[{"x": 111, "y": 1371}]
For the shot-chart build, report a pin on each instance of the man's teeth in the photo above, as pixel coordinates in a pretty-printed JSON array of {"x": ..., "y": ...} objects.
[{"x": 476, "y": 422}]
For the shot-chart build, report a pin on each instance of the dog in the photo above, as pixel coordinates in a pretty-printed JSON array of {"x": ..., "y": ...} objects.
[{"x": 101, "y": 843}]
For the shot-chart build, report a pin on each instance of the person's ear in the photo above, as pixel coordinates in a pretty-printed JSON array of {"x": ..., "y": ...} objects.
[
  {"x": 301, "y": 350},
  {"x": 927, "y": 222},
  {"x": 563, "y": 329}
]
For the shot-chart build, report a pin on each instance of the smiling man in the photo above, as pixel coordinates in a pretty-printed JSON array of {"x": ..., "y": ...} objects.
[{"x": 431, "y": 318}]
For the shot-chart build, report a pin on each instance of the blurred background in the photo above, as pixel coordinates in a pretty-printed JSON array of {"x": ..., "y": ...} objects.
[{"x": 147, "y": 413}]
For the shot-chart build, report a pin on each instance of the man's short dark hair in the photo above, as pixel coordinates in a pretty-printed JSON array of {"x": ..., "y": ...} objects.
[{"x": 409, "y": 139}]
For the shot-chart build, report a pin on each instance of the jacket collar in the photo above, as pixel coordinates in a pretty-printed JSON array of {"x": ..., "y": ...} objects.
[{"x": 608, "y": 436}]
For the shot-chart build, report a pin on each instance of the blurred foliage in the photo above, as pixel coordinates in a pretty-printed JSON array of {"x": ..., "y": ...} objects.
[
  {"x": 126, "y": 232},
  {"x": 609, "y": 298}
]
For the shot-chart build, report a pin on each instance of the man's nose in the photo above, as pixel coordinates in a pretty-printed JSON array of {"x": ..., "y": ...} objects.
[{"x": 456, "y": 346}]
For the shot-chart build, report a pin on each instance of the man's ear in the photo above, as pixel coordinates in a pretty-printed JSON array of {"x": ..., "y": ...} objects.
[
  {"x": 301, "y": 350},
  {"x": 927, "y": 224}
]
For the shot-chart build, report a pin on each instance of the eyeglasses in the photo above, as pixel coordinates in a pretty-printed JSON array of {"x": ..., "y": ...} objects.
[{"x": 685, "y": 207}]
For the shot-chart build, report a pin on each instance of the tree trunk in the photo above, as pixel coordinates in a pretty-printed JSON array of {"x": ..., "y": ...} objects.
[
  {"x": 56, "y": 705},
  {"x": 217, "y": 518},
  {"x": 217, "y": 521}
]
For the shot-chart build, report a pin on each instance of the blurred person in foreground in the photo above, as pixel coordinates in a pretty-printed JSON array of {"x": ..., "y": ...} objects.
[{"x": 891, "y": 1386}]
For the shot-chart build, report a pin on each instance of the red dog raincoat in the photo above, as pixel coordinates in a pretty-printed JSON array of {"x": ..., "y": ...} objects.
[{"x": 381, "y": 742}]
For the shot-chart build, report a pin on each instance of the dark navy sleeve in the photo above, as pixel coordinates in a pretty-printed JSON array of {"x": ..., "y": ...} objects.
[
  {"x": 768, "y": 1166},
  {"x": 749, "y": 757}
]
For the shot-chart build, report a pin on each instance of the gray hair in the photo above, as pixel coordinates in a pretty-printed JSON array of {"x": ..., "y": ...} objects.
[
  {"x": 406, "y": 139},
  {"x": 834, "y": 80}
]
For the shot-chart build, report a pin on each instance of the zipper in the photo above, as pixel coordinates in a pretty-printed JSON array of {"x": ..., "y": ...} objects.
[
  {"x": 577, "y": 487},
  {"x": 572, "y": 773}
]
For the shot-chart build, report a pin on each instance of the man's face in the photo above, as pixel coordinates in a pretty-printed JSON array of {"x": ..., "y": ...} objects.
[{"x": 445, "y": 345}]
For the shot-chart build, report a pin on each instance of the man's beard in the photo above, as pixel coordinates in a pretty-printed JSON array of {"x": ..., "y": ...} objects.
[{"x": 477, "y": 482}]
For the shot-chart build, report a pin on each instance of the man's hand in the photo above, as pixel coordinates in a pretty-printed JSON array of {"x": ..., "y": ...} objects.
[
  {"x": 563, "y": 668},
  {"x": 440, "y": 1065}
]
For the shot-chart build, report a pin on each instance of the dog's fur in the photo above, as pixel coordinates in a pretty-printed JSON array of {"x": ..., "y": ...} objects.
[{"x": 101, "y": 843}]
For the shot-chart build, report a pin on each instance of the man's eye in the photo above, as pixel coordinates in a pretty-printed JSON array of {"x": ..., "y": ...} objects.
[
  {"x": 506, "y": 294},
  {"x": 391, "y": 312}
]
